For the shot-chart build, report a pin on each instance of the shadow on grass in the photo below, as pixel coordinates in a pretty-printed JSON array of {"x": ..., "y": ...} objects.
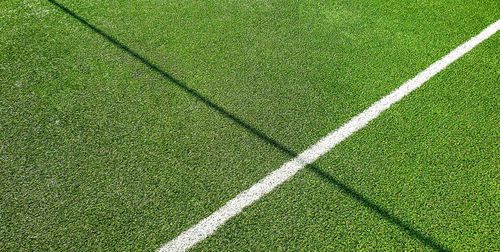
[{"x": 345, "y": 189}]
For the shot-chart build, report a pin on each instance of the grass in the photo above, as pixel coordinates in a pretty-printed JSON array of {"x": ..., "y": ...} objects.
[
  {"x": 99, "y": 152},
  {"x": 433, "y": 166}
]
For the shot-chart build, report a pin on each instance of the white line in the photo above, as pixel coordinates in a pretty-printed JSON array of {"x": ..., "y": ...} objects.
[{"x": 207, "y": 226}]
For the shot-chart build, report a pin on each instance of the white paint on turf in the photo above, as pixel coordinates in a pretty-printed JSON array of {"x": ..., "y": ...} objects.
[{"x": 207, "y": 226}]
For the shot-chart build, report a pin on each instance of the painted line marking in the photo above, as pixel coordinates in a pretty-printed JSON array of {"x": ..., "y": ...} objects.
[{"x": 209, "y": 225}]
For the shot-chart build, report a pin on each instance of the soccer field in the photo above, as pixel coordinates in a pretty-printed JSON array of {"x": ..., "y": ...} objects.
[{"x": 249, "y": 125}]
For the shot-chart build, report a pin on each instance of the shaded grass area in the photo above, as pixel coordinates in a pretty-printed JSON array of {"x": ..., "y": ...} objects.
[
  {"x": 432, "y": 160},
  {"x": 97, "y": 147}
]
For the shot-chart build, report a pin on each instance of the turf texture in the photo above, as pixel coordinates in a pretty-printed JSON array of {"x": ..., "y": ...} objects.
[{"x": 99, "y": 150}]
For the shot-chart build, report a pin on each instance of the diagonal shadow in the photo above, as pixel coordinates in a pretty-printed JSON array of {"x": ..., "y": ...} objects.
[
  {"x": 344, "y": 188},
  {"x": 384, "y": 213}
]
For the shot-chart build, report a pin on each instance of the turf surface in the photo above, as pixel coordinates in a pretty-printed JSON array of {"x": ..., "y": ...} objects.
[
  {"x": 427, "y": 173},
  {"x": 100, "y": 152}
]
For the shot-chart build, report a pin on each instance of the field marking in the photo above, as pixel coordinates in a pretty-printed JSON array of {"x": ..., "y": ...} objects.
[{"x": 209, "y": 225}]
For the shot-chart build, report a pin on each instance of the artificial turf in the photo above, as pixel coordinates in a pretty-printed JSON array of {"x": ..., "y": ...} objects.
[
  {"x": 426, "y": 171},
  {"x": 100, "y": 152}
]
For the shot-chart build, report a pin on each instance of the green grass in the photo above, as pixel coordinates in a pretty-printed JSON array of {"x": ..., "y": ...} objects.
[
  {"x": 431, "y": 161},
  {"x": 99, "y": 152}
]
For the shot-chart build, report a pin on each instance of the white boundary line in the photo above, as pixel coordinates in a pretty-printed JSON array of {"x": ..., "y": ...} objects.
[{"x": 209, "y": 225}]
